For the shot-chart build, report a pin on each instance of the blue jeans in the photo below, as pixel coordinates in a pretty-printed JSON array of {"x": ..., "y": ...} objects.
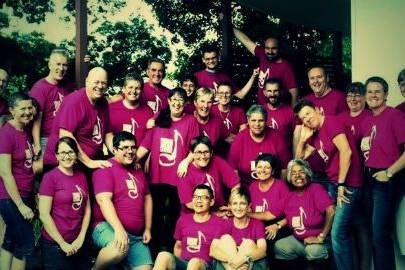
[
  {"x": 381, "y": 200},
  {"x": 342, "y": 225},
  {"x": 19, "y": 235}
]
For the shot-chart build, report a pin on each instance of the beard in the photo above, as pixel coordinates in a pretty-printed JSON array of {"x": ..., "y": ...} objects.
[
  {"x": 274, "y": 101},
  {"x": 272, "y": 57}
]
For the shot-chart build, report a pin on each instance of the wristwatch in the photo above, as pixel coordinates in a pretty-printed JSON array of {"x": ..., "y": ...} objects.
[
  {"x": 321, "y": 237},
  {"x": 249, "y": 259},
  {"x": 278, "y": 225},
  {"x": 388, "y": 173}
]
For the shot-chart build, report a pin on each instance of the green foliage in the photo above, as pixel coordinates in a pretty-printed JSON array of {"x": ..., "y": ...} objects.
[
  {"x": 4, "y": 20},
  {"x": 34, "y": 10},
  {"x": 126, "y": 47}
]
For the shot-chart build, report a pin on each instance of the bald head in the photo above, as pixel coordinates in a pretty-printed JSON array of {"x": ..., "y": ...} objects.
[
  {"x": 96, "y": 83},
  {"x": 3, "y": 79}
]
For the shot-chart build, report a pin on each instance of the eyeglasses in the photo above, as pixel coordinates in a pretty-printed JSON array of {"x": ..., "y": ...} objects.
[
  {"x": 127, "y": 148},
  {"x": 177, "y": 100},
  {"x": 202, "y": 153},
  {"x": 202, "y": 197},
  {"x": 65, "y": 154},
  {"x": 353, "y": 96}
]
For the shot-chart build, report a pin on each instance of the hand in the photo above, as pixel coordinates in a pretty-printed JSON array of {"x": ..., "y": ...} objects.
[
  {"x": 381, "y": 176},
  {"x": 150, "y": 123},
  {"x": 313, "y": 240},
  {"x": 25, "y": 211},
  {"x": 121, "y": 240},
  {"x": 69, "y": 249},
  {"x": 255, "y": 72},
  {"x": 78, "y": 243},
  {"x": 182, "y": 168},
  {"x": 305, "y": 133},
  {"x": 341, "y": 195},
  {"x": 147, "y": 236},
  {"x": 37, "y": 151},
  {"x": 271, "y": 231},
  {"x": 95, "y": 164},
  {"x": 87, "y": 58}
]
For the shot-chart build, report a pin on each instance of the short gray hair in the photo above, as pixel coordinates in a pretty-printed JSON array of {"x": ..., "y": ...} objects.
[
  {"x": 256, "y": 109},
  {"x": 303, "y": 164}
]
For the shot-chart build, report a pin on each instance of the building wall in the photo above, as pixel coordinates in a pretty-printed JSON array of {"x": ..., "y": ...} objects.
[{"x": 378, "y": 42}]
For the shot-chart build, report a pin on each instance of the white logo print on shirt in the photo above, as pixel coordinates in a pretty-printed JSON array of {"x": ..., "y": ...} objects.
[
  {"x": 97, "y": 138},
  {"x": 297, "y": 222},
  {"x": 155, "y": 105},
  {"x": 57, "y": 103},
  {"x": 77, "y": 198},
  {"x": 131, "y": 128},
  {"x": 29, "y": 154},
  {"x": 131, "y": 186},
  {"x": 194, "y": 243},
  {"x": 263, "y": 76},
  {"x": 210, "y": 183},
  {"x": 322, "y": 153},
  {"x": 273, "y": 124},
  {"x": 168, "y": 149},
  {"x": 262, "y": 208}
]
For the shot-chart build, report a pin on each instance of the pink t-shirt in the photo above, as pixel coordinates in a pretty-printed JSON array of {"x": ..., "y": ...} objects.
[
  {"x": 322, "y": 140},
  {"x": 87, "y": 122},
  {"x": 131, "y": 120},
  {"x": 196, "y": 238},
  {"x": 280, "y": 70},
  {"x": 155, "y": 97},
  {"x": 244, "y": 151},
  {"x": 232, "y": 119},
  {"x": 49, "y": 97},
  {"x": 169, "y": 146},
  {"x": 211, "y": 80},
  {"x": 387, "y": 138},
  {"x": 69, "y": 199},
  {"x": 271, "y": 200},
  {"x": 354, "y": 123},
  {"x": 332, "y": 103},
  {"x": 218, "y": 175},
  {"x": 3, "y": 107},
  {"x": 18, "y": 144},
  {"x": 253, "y": 231},
  {"x": 213, "y": 129},
  {"x": 401, "y": 107},
  {"x": 129, "y": 188},
  {"x": 305, "y": 212}
]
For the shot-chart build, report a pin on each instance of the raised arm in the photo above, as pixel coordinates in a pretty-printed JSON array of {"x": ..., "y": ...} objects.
[{"x": 245, "y": 40}]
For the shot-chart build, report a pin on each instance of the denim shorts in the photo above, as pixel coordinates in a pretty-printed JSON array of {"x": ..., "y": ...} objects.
[
  {"x": 182, "y": 264},
  {"x": 138, "y": 253},
  {"x": 19, "y": 235}
]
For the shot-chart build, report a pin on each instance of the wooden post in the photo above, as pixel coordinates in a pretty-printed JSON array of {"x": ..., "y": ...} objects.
[
  {"x": 226, "y": 35},
  {"x": 81, "y": 42}
]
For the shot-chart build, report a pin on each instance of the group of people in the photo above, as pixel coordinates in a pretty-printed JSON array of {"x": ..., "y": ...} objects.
[{"x": 184, "y": 179}]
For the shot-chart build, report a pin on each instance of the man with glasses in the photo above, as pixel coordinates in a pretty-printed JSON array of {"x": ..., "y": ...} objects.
[
  {"x": 123, "y": 213},
  {"x": 194, "y": 234},
  {"x": 84, "y": 117}
]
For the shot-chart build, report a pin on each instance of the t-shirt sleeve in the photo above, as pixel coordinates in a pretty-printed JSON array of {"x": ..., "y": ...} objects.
[
  {"x": 179, "y": 228},
  {"x": 259, "y": 51},
  {"x": 223, "y": 227},
  {"x": 36, "y": 93},
  {"x": 335, "y": 127},
  {"x": 70, "y": 115},
  {"x": 147, "y": 139},
  {"x": 103, "y": 181},
  {"x": 6, "y": 142},
  {"x": 230, "y": 177},
  {"x": 323, "y": 200},
  {"x": 259, "y": 230},
  {"x": 290, "y": 81},
  {"x": 185, "y": 190},
  {"x": 399, "y": 127},
  {"x": 233, "y": 157},
  {"x": 47, "y": 186}
]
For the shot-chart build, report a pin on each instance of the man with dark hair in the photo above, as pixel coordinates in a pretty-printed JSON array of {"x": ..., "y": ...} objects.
[
  {"x": 49, "y": 92},
  {"x": 272, "y": 65},
  {"x": 194, "y": 234},
  {"x": 123, "y": 213},
  {"x": 401, "y": 85},
  {"x": 154, "y": 93},
  {"x": 328, "y": 100}
]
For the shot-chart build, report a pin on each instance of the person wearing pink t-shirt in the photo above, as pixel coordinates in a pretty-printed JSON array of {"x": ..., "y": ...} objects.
[
  {"x": 211, "y": 77},
  {"x": 64, "y": 209},
  {"x": 336, "y": 145},
  {"x": 401, "y": 85},
  {"x": 84, "y": 117},
  {"x": 383, "y": 149},
  {"x": 189, "y": 84},
  {"x": 154, "y": 93},
  {"x": 271, "y": 65},
  {"x": 206, "y": 168},
  {"x": 209, "y": 125},
  {"x": 256, "y": 139},
  {"x": 309, "y": 211},
  {"x": 17, "y": 183},
  {"x": 3, "y": 103},
  {"x": 130, "y": 114},
  {"x": 123, "y": 213},
  {"x": 194, "y": 234},
  {"x": 167, "y": 144},
  {"x": 49, "y": 92},
  {"x": 244, "y": 245}
]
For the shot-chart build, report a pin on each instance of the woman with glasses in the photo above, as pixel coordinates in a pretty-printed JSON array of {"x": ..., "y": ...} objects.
[
  {"x": 167, "y": 144},
  {"x": 309, "y": 212},
  {"x": 257, "y": 138},
  {"x": 208, "y": 169},
  {"x": 16, "y": 183},
  {"x": 64, "y": 209}
]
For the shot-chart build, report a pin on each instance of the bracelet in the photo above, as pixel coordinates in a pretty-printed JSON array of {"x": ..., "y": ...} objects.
[
  {"x": 278, "y": 225},
  {"x": 341, "y": 184}
]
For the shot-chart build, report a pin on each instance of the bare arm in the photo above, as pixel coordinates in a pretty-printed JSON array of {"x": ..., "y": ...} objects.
[
  {"x": 245, "y": 89},
  {"x": 141, "y": 152},
  {"x": 245, "y": 40},
  {"x": 329, "y": 213},
  {"x": 260, "y": 251},
  {"x": 301, "y": 148},
  {"x": 148, "y": 218},
  {"x": 341, "y": 143},
  {"x": 11, "y": 186},
  {"x": 398, "y": 165},
  {"x": 294, "y": 95},
  {"x": 264, "y": 216},
  {"x": 78, "y": 243},
  {"x": 177, "y": 249},
  {"x": 36, "y": 134}
]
